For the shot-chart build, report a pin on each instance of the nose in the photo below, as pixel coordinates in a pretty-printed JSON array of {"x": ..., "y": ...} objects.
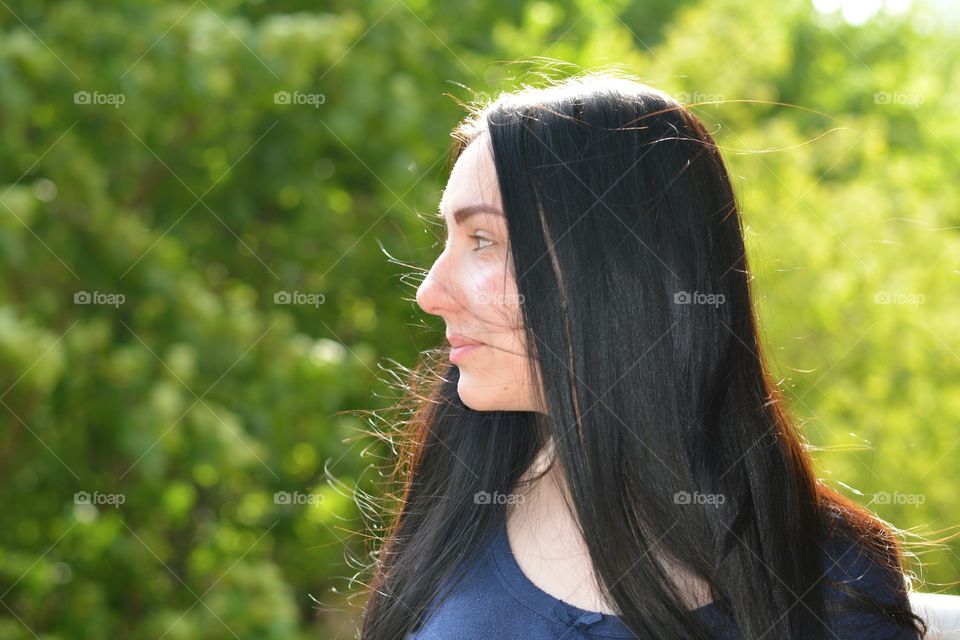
[{"x": 433, "y": 294}]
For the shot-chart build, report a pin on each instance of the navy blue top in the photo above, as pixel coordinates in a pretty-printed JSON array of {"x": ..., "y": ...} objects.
[{"x": 495, "y": 599}]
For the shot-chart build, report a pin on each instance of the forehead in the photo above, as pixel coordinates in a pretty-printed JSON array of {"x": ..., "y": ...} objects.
[{"x": 473, "y": 179}]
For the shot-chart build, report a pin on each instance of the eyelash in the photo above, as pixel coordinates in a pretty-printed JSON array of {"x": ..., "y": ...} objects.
[{"x": 481, "y": 238}]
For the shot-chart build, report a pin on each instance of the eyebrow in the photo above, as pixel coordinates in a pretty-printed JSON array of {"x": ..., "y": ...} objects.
[{"x": 463, "y": 213}]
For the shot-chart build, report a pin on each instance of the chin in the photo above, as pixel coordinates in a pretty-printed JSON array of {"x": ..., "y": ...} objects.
[
  {"x": 483, "y": 400},
  {"x": 469, "y": 398},
  {"x": 474, "y": 399}
]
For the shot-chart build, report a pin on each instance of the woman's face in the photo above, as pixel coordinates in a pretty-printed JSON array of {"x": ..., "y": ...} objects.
[{"x": 472, "y": 287}]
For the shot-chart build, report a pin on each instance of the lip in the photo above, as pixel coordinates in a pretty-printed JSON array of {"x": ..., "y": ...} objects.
[
  {"x": 458, "y": 353},
  {"x": 461, "y": 346}
]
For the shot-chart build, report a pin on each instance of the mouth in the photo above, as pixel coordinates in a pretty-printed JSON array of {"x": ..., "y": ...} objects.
[{"x": 459, "y": 353}]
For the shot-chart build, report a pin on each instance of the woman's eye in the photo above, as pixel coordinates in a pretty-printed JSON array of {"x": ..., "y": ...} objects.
[{"x": 475, "y": 237}]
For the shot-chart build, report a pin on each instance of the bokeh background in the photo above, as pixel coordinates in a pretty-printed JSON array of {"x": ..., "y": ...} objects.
[{"x": 212, "y": 214}]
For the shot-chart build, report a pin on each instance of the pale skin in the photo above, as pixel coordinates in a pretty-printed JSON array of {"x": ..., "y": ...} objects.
[{"x": 472, "y": 287}]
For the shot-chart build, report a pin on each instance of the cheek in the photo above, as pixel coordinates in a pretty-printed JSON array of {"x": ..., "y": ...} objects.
[
  {"x": 495, "y": 304},
  {"x": 492, "y": 298}
]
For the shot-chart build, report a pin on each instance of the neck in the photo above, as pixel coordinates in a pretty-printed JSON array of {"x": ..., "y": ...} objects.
[{"x": 543, "y": 524}]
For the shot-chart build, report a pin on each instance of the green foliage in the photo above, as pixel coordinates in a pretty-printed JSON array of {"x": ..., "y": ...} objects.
[{"x": 195, "y": 202}]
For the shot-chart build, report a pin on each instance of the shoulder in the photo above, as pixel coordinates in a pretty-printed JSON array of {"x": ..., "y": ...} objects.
[
  {"x": 863, "y": 585},
  {"x": 865, "y": 562}
]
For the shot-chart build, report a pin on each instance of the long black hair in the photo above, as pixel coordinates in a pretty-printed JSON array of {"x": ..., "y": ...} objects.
[{"x": 628, "y": 254}]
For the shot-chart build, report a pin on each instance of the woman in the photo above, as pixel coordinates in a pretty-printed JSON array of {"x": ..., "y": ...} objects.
[{"x": 606, "y": 454}]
